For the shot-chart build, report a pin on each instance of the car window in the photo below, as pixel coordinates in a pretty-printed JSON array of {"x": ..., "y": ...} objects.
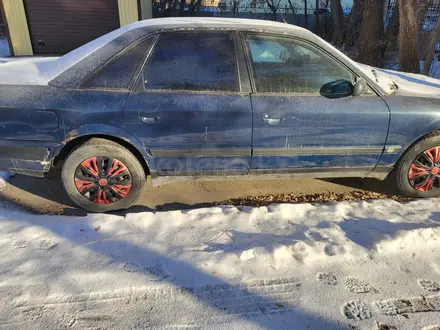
[
  {"x": 119, "y": 72},
  {"x": 196, "y": 61},
  {"x": 284, "y": 65}
]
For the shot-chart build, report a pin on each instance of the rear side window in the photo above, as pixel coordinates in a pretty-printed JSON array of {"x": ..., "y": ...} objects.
[
  {"x": 195, "y": 61},
  {"x": 119, "y": 73}
]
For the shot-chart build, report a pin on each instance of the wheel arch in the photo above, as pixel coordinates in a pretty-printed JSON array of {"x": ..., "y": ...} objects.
[
  {"x": 406, "y": 148},
  {"x": 74, "y": 143}
]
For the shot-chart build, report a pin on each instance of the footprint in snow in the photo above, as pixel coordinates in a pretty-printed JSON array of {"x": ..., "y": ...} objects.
[
  {"x": 356, "y": 285},
  {"x": 327, "y": 278},
  {"x": 429, "y": 285},
  {"x": 130, "y": 267},
  {"x": 333, "y": 249},
  {"x": 46, "y": 244},
  {"x": 153, "y": 273},
  {"x": 356, "y": 310},
  {"x": 19, "y": 244},
  {"x": 432, "y": 327}
]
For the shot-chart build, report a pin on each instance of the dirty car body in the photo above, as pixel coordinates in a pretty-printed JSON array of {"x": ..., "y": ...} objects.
[{"x": 243, "y": 114}]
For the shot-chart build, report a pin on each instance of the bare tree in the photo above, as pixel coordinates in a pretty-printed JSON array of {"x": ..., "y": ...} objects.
[
  {"x": 385, "y": 5},
  {"x": 392, "y": 30},
  {"x": 371, "y": 49},
  {"x": 273, "y": 8},
  {"x": 336, "y": 11},
  {"x": 317, "y": 27},
  {"x": 424, "y": 36},
  {"x": 435, "y": 35},
  {"x": 234, "y": 8},
  {"x": 422, "y": 7},
  {"x": 354, "y": 22},
  {"x": 195, "y": 5},
  {"x": 306, "y": 15},
  {"x": 292, "y": 9},
  {"x": 408, "y": 37}
]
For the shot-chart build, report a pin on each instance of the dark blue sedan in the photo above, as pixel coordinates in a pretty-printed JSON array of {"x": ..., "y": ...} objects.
[{"x": 187, "y": 99}]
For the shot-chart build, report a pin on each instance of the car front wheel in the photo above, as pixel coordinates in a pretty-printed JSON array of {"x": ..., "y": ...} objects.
[
  {"x": 102, "y": 175},
  {"x": 418, "y": 172}
]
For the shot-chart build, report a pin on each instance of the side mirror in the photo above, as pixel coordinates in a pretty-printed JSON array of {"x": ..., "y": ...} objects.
[
  {"x": 360, "y": 88},
  {"x": 337, "y": 89}
]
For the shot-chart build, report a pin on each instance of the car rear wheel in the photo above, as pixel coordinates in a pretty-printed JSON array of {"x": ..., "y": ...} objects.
[
  {"x": 102, "y": 175},
  {"x": 418, "y": 172}
]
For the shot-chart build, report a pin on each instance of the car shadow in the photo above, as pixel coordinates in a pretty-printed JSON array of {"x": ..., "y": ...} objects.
[
  {"x": 55, "y": 200},
  {"x": 212, "y": 294},
  {"x": 386, "y": 186}
]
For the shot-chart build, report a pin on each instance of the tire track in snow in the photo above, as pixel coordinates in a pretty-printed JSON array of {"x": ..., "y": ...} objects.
[{"x": 198, "y": 305}]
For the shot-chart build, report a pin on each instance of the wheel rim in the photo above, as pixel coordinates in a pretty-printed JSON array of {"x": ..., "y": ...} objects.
[
  {"x": 424, "y": 172},
  {"x": 103, "y": 180}
]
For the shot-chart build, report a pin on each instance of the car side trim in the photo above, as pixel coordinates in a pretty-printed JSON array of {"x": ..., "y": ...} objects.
[
  {"x": 380, "y": 172},
  {"x": 201, "y": 152},
  {"x": 318, "y": 151},
  {"x": 276, "y": 152}
]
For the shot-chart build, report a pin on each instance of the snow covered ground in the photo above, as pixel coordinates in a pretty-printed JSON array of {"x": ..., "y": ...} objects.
[{"x": 354, "y": 265}]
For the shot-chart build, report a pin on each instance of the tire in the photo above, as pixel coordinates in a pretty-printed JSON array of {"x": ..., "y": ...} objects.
[
  {"x": 411, "y": 177},
  {"x": 116, "y": 187}
]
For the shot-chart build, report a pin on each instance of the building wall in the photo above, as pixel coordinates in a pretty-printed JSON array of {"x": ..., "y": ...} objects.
[
  {"x": 18, "y": 30},
  {"x": 128, "y": 11}
]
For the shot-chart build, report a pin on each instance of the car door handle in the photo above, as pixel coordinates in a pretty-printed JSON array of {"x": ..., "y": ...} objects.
[
  {"x": 148, "y": 119},
  {"x": 272, "y": 121}
]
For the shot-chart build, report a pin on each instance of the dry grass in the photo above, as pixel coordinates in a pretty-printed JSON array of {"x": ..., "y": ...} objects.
[{"x": 311, "y": 198}]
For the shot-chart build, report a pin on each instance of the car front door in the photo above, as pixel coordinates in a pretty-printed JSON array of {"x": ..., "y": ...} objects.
[
  {"x": 188, "y": 107},
  {"x": 294, "y": 126}
]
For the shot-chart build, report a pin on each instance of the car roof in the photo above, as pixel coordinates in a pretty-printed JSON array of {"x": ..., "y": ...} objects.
[{"x": 206, "y": 22}]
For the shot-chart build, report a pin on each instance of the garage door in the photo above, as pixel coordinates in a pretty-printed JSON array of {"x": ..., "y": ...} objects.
[{"x": 58, "y": 26}]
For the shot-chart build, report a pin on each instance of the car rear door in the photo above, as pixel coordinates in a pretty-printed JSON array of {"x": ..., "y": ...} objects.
[
  {"x": 294, "y": 126},
  {"x": 189, "y": 107}
]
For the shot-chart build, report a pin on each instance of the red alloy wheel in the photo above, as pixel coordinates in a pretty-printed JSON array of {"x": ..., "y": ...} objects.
[
  {"x": 424, "y": 172},
  {"x": 103, "y": 180}
]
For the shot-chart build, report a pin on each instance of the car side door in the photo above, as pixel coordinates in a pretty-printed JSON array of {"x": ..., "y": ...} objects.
[
  {"x": 295, "y": 128},
  {"x": 189, "y": 106}
]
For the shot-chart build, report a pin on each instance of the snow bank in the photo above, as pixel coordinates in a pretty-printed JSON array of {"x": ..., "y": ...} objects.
[
  {"x": 319, "y": 266},
  {"x": 4, "y": 176},
  {"x": 407, "y": 83}
]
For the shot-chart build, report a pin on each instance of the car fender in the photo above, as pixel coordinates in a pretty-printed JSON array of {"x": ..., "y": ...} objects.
[
  {"x": 113, "y": 132},
  {"x": 411, "y": 120},
  {"x": 430, "y": 127}
]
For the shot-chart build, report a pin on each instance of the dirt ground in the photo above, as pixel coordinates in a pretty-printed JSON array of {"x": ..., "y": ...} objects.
[{"x": 47, "y": 195}]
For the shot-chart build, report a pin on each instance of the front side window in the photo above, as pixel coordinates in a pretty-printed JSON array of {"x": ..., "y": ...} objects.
[
  {"x": 283, "y": 65},
  {"x": 194, "y": 61}
]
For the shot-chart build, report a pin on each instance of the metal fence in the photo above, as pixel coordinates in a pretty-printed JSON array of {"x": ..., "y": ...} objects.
[
  {"x": 431, "y": 16},
  {"x": 427, "y": 22},
  {"x": 260, "y": 10}
]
